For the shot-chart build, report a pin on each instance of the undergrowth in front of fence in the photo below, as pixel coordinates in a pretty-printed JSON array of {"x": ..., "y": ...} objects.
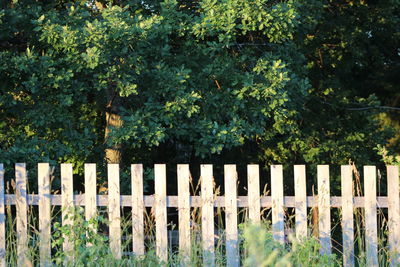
[{"x": 91, "y": 245}]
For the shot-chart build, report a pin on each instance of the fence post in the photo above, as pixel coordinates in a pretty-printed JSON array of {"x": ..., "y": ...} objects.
[
  {"x": 207, "y": 214},
  {"x": 114, "y": 210},
  {"x": 160, "y": 210},
  {"x": 232, "y": 249},
  {"x": 371, "y": 231},
  {"x": 184, "y": 211},
  {"x": 278, "y": 212},
  {"x": 253, "y": 181},
  {"x": 44, "y": 213},
  {"x": 90, "y": 193},
  {"x": 2, "y": 219},
  {"x": 67, "y": 199},
  {"x": 300, "y": 201},
  {"x": 347, "y": 215},
  {"x": 137, "y": 209},
  {"x": 22, "y": 218},
  {"x": 394, "y": 214},
  {"x": 324, "y": 209}
]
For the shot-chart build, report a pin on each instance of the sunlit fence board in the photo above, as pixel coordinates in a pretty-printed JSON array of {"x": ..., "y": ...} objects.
[
  {"x": 44, "y": 214},
  {"x": 371, "y": 225},
  {"x": 114, "y": 211},
  {"x": 2, "y": 219},
  {"x": 137, "y": 209},
  {"x": 22, "y": 217},
  {"x": 278, "y": 212},
  {"x": 324, "y": 209},
  {"x": 301, "y": 200},
  {"x": 67, "y": 194},
  {"x": 184, "y": 211},
  {"x": 207, "y": 214},
  {"x": 253, "y": 183},
  {"x": 394, "y": 214},
  {"x": 232, "y": 249},
  {"x": 347, "y": 215},
  {"x": 160, "y": 211},
  {"x": 90, "y": 192}
]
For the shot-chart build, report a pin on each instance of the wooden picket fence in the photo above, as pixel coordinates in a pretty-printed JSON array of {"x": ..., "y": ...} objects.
[{"x": 207, "y": 201}]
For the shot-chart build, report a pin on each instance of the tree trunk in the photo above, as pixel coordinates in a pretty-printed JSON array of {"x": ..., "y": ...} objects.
[{"x": 113, "y": 153}]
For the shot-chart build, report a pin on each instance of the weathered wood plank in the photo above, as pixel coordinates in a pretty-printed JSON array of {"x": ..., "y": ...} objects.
[
  {"x": 207, "y": 214},
  {"x": 232, "y": 249},
  {"x": 394, "y": 214},
  {"x": 347, "y": 215},
  {"x": 2, "y": 219},
  {"x": 137, "y": 209},
  {"x": 184, "y": 211},
  {"x": 371, "y": 231},
  {"x": 90, "y": 193},
  {"x": 278, "y": 212},
  {"x": 44, "y": 214},
  {"x": 160, "y": 211},
  {"x": 253, "y": 184},
  {"x": 21, "y": 215},
  {"x": 324, "y": 209},
  {"x": 114, "y": 210},
  {"x": 196, "y": 201},
  {"x": 67, "y": 210},
  {"x": 300, "y": 201}
]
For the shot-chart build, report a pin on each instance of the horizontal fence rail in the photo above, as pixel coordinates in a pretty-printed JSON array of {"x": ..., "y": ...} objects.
[{"x": 207, "y": 200}]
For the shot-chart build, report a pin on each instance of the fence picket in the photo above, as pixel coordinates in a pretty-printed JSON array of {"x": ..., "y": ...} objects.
[
  {"x": 184, "y": 211},
  {"x": 90, "y": 193},
  {"x": 232, "y": 250},
  {"x": 371, "y": 231},
  {"x": 347, "y": 215},
  {"x": 207, "y": 214},
  {"x": 160, "y": 210},
  {"x": 300, "y": 201},
  {"x": 137, "y": 209},
  {"x": 22, "y": 218},
  {"x": 394, "y": 214},
  {"x": 67, "y": 213},
  {"x": 278, "y": 212},
  {"x": 324, "y": 209},
  {"x": 2, "y": 220},
  {"x": 114, "y": 210},
  {"x": 253, "y": 181},
  {"x": 44, "y": 214}
]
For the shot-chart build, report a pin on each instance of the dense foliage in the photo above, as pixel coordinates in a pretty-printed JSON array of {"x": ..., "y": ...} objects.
[{"x": 187, "y": 81}]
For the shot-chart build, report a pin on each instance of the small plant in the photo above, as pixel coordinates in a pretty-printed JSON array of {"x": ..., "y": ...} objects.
[{"x": 263, "y": 250}]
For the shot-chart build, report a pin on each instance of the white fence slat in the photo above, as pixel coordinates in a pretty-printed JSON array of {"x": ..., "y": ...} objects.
[
  {"x": 67, "y": 213},
  {"x": 278, "y": 212},
  {"x": 90, "y": 193},
  {"x": 253, "y": 184},
  {"x": 300, "y": 192},
  {"x": 394, "y": 214},
  {"x": 184, "y": 211},
  {"x": 371, "y": 231},
  {"x": 22, "y": 218},
  {"x": 232, "y": 249},
  {"x": 207, "y": 214},
  {"x": 160, "y": 210},
  {"x": 137, "y": 209},
  {"x": 114, "y": 210},
  {"x": 324, "y": 209},
  {"x": 44, "y": 214},
  {"x": 347, "y": 215},
  {"x": 2, "y": 219}
]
